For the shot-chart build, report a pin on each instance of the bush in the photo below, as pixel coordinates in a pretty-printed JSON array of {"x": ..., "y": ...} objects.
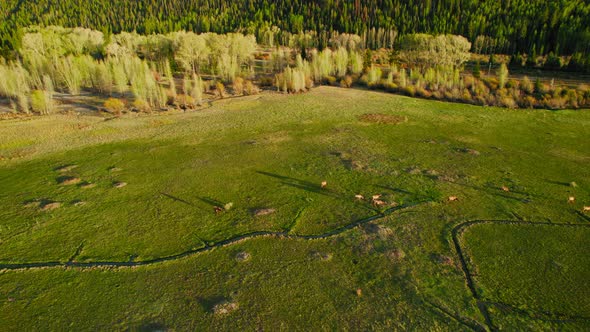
[
  {"x": 409, "y": 90},
  {"x": 142, "y": 106},
  {"x": 114, "y": 105},
  {"x": 553, "y": 62},
  {"x": 477, "y": 70},
  {"x": 527, "y": 86},
  {"x": 528, "y": 102},
  {"x": 238, "y": 86},
  {"x": 220, "y": 89},
  {"x": 250, "y": 88},
  {"x": 373, "y": 76},
  {"x": 502, "y": 76},
  {"x": 330, "y": 80},
  {"x": 507, "y": 101},
  {"x": 346, "y": 82},
  {"x": 266, "y": 81},
  {"x": 41, "y": 102}
]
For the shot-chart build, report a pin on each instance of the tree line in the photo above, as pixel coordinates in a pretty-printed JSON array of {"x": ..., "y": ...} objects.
[
  {"x": 176, "y": 70},
  {"x": 492, "y": 26}
]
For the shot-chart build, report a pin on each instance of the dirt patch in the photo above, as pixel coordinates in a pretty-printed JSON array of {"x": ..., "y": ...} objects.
[
  {"x": 263, "y": 212},
  {"x": 115, "y": 169},
  {"x": 119, "y": 184},
  {"x": 87, "y": 185},
  {"x": 442, "y": 259},
  {"x": 225, "y": 307},
  {"x": 469, "y": 151},
  {"x": 242, "y": 256},
  {"x": 65, "y": 168},
  {"x": 396, "y": 255},
  {"x": 68, "y": 180},
  {"x": 382, "y": 118},
  {"x": 48, "y": 206},
  {"x": 32, "y": 204}
]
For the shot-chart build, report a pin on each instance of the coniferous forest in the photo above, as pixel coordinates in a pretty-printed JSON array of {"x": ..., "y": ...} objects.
[{"x": 492, "y": 26}]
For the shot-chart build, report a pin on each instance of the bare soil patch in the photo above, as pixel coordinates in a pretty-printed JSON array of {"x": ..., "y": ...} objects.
[{"x": 68, "y": 180}]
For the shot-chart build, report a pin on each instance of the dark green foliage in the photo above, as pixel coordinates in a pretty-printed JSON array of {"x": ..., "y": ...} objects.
[
  {"x": 553, "y": 62},
  {"x": 503, "y": 27},
  {"x": 477, "y": 70}
]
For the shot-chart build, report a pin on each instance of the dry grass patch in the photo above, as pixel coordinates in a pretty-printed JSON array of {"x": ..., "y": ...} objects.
[{"x": 382, "y": 118}]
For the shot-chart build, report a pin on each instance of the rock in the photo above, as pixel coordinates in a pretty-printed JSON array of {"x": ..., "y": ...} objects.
[
  {"x": 263, "y": 212},
  {"x": 242, "y": 256},
  {"x": 224, "y": 307},
  {"x": 119, "y": 184}
]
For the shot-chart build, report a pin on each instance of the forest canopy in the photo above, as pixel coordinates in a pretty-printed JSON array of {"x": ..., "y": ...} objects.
[{"x": 492, "y": 26}]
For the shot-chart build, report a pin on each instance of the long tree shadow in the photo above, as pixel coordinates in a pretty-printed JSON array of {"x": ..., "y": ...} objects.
[
  {"x": 174, "y": 198},
  {"x": 301, "y": 184},
  {"x": 211, "y": 201},
  {"x": 495, "y": 191}
]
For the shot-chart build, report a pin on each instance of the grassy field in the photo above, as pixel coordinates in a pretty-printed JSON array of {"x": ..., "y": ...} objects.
[
  {"x": 539, "y": 270},
  {"x": 84, "y": 190}
]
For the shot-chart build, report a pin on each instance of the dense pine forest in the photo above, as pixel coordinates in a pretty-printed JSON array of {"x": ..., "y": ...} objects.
[{"x": 493, "y": 26}]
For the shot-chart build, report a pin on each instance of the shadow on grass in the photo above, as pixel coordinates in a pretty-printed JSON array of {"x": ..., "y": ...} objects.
[
  {"x": 211, "y": 201},
  {"x": 301, "y": 184},
  {"x": 174, "y": 198},
  {"x": 496, "y": 191}
]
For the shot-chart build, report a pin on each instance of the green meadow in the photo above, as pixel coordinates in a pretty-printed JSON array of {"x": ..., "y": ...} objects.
[{"x": 330, "y": 210}]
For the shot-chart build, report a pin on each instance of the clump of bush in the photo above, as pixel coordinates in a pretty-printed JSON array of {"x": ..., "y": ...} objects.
[{"x": 115, "y": 106}]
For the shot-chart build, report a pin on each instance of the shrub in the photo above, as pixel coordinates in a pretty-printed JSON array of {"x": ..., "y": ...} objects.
[
  {"x": 403, "y": 79},
  {"x": 41, "y": 102},
  {"x": 528, "y": 102},
  {"x": 266, "y": 81},
  {"x": 114, "y": 105},
  {"x": 142, "y": 106},
  {"x": 330, "y": 80},
  {"x": 374, "y": 75},
  {"x": 527, "y": 86},
  {"x": 421, "y": 92},
  {"x": 477, "y": 70},
  {"x": 238, "y": 86},
  {"x": 553, "y": 61},
  {"x": 502, "y": 75},
  {"x": 507, "y": 101},
  {"x": 346, "y": 82},
  {"x": 250, "y": 88},
  {"x": 196, "y": 91},
  {"x": 539, "y": 87},
  {"x": 220, "y": 89},
  {"x": 409, "y": 90},
  {"x": 517, "y": 60},
  {"x": 390, "y": 87}
]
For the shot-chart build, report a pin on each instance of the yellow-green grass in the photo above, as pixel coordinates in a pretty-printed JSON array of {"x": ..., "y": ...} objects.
[
  {"x": 541, "y": 271},
  {"x": 274, "y": 151}
]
